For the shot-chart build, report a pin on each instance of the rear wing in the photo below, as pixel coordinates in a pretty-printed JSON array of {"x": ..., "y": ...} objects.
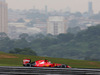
[{"x": 25, "y": 61}]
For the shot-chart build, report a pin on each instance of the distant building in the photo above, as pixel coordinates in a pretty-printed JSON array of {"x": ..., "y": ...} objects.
[
  {"x": 41, "y": 26},
  {"x": 15, "y": 29},
  {"x": 90, "y": 9},
  {"x": 56, "y": 25},
  {"x": 3, "y": 16}
]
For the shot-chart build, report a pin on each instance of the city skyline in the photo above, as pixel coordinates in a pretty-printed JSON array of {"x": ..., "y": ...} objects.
[{"x": 74, "y": 6}]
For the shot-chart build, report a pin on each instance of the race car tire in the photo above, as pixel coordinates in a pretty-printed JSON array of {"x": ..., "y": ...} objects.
[
  {"x": 28, "y": 65},
  {"x": 32, "y": 64},
  {"x": 63, "y": 66}
]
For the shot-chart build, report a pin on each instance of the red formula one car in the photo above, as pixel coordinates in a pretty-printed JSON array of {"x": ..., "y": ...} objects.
[{"x": 43, "y": 63}]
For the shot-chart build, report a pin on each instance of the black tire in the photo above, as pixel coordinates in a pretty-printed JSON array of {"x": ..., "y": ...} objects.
[
  {"x": 28, "y": 65},
  {"x": 63, "y": 66},
  {"x": 32, "y": 64}
]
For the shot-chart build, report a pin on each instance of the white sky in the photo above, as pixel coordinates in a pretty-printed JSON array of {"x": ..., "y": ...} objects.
[{"x": 74, "y": 5}]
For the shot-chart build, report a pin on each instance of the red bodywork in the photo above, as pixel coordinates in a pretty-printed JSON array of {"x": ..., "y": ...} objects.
[
  {"x": 42, "y": 63},
  {"x": 25, "y": 61}
]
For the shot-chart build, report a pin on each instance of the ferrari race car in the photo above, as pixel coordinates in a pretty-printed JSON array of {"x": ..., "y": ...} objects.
[{"x": 43, "y": 63}]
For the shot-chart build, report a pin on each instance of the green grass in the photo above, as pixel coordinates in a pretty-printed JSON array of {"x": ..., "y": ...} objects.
[{"x": 16, "y": 60}]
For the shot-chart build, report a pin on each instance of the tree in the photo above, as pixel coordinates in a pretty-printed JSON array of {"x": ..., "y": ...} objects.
[
  {"x": 25, "y": 51},
  {"x": 74, "y": 30},
  {"x": 65, "y": 37},
  {"x": 23, "y": 36},
  {"x": 73, "y": 23},
  {"x": 2, "y": 34}
]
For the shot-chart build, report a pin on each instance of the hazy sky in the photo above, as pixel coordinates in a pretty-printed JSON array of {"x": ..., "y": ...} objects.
[{"x": 74, "y": 5}]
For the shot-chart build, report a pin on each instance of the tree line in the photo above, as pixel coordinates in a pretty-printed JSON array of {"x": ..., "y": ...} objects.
[{"x": 83, "y": 45}]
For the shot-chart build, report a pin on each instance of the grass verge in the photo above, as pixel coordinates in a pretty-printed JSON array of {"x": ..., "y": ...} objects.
[{"x": 16, "y": 60}]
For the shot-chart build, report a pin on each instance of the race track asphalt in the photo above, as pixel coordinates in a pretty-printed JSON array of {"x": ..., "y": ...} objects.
[{"x": 7, "y": 70}]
